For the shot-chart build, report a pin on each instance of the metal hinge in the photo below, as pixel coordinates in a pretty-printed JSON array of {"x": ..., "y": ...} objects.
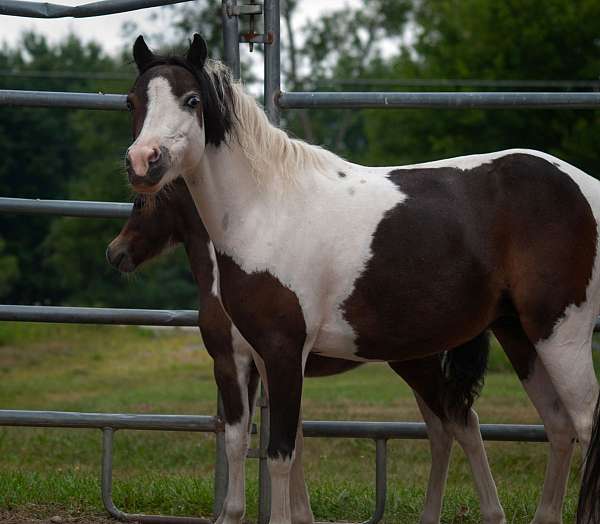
[{"x": 252, "y": 9}]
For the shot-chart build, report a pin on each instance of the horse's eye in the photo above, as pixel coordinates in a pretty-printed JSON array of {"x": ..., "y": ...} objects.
[
  {"x": 192, "y": 101},
  {"x": 129, "y": 106}
]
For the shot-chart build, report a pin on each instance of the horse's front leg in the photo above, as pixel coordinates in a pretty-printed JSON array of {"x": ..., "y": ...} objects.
[
  {"x": 235, "y": 377},
  {"x": 283, "y": 369},
  {"x": 299, "y": 498},
  {"x": 440, "y": 444}
]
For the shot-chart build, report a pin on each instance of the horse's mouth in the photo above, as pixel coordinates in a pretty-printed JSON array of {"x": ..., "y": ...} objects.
[
  {"x": 150, "y": 182},
  {"x": 121, "y": 261}
]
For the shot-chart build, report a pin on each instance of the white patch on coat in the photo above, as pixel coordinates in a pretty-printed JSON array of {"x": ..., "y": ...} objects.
[{"x": 214, "y": 289}]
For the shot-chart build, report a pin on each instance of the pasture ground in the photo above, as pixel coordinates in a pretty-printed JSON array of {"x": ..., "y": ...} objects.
[{"x": 52, "y": 472}]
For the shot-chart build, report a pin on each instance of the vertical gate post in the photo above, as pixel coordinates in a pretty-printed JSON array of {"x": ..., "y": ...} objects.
[
  {"x": 272, "y": 59},
  {"x": 231, "y": 37}
]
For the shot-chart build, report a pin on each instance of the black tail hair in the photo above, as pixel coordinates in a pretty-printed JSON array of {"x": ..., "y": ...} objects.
[
  {"x": 464, "y": 370},
  {"x": 588, "y": 507}
]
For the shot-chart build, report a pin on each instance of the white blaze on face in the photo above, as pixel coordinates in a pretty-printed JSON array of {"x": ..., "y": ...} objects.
[{"x": 171, "y": 125}]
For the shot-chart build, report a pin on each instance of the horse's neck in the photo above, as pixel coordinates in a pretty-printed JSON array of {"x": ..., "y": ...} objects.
[
  {"x": 197, "y": 246},
  {"x": 235, "y": 205}
]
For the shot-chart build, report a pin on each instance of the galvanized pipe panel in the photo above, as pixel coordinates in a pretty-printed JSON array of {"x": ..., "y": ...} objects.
[
  {"x": 67, "y": 419},
  {"x": 15, "y": 97},
  {"x": 311, "y": 428},
  {"x": 67, "y": 208},
  {"x": 107, "y": 498},
  {"x": 105, "y": 7},
  {"x": 416, "y": 430},
  {"x": 92, "y": 315},
  {"x": 352, "y": 100}
]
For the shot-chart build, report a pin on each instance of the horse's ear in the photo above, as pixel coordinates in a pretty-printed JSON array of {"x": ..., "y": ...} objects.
[
  {"x": 141, "y": 53},
  {"x": 197, "y": 52}
]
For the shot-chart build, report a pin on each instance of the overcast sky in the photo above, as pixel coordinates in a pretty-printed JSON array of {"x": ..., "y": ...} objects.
[{"x": 107, "y": 29}]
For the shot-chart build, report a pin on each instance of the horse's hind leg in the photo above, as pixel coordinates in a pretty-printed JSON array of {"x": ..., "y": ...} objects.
[
  {"x": 440, "y": 444},
  {"x": 567, "y": 357},
  {"x": 543, "y": 395},
  {"x": 426, "y": 378}
]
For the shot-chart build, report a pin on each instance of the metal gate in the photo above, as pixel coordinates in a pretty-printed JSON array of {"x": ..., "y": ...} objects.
[{"x": 274, "y": 101}]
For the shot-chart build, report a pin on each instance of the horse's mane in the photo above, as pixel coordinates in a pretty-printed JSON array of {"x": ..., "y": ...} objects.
[
  {"x": 232, "y": 114},
  {"x": 270, "y": 151}
]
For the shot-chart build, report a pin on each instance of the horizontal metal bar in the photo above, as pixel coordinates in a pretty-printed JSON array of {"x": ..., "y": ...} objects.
[
  {"x": 105, "y": 7},
  {"x": 458, "y": 82},
  {"x": 14, "y": 97},
  {"x": 67, "y": 419},
  {"x": 350, "y": 100},
  {"x": 415, "y": 430},
  {"x": 311, "y": 428},
  {"x": 93, "y": 315},
  {"x": 332, "y": 100},
  {"x": 67, "y": 208}
]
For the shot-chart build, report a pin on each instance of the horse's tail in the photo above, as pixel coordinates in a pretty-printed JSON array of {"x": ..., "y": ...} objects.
[
  {"x": 464, "y": 370},
  {"x": 588, "y": 507}
]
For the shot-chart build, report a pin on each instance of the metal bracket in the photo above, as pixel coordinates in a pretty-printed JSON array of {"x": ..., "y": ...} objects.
[{"x": 252, "y": 9}]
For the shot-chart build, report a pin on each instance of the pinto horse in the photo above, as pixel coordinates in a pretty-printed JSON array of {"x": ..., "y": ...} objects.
[
  {"x": 171, "y": 218},
  {"x": 319, "y": 255}
]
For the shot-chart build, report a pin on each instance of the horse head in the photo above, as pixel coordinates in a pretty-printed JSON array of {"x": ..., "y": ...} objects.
[{"x": 178, "y": 107}]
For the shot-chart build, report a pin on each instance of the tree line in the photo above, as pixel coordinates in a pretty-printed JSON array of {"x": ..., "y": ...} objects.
[{"x": 379, "y": 45}]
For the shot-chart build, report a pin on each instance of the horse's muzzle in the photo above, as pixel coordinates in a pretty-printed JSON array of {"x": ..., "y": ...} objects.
[
  {"x": 157, "y": 168},
  {"x": 119, "y": 259}
]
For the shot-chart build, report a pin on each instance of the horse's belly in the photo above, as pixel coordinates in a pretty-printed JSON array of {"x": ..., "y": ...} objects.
[{"x": 336, "y": 339}]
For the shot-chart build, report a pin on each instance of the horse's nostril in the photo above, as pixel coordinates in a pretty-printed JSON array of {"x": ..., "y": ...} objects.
[
  {"x": 116, "y": 259},
  {"x": 154, "y": 156}
]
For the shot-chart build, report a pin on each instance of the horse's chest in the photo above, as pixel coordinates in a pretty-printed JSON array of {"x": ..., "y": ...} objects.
[{"x": 267, "y": 313}]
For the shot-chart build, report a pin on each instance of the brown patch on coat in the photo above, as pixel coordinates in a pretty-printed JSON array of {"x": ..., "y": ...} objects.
[
  {"x": 467, "y": 247},
  {"x": 518, "y": 348}
]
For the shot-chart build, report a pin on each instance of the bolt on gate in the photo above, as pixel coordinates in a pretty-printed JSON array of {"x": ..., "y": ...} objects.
[{"x": 274, "y": 100}]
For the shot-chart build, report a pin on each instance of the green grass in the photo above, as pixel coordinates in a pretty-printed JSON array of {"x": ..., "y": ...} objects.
[{"x": 114, "y": 369}]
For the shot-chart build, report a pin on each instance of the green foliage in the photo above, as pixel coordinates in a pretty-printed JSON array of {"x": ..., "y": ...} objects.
[
  {"x": 9, "y": 270},
  {"x": 512, "y": 40}
]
